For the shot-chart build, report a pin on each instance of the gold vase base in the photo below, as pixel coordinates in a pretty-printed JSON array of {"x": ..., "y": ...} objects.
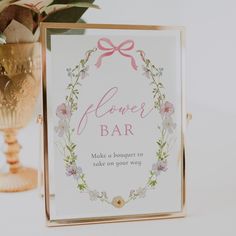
[{"x": 24, "y": 179}]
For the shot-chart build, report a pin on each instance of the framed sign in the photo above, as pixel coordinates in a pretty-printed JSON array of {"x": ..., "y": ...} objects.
[{"x": 114, "y": 122}]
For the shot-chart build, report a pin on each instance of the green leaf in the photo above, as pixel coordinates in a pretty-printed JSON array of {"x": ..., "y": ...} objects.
[
  {"x": 152, "y": 183},
  {"x": 165, "y": 155},
  {"x": 58, "y": 7},
  {"x": 163, "y": 145},
  {"x": 66, "y": 1},
  {"x": 81, "y": 187},
  {"x": 68, "y": 148},
  {"x": 82, "y": 176},
  {"x": 69, "y": 15}
]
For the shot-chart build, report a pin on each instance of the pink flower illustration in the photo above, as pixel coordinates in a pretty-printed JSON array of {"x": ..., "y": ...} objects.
[
  {"x": 63, "y": 111},
  {"x": 73, "y": 170},
  {"x": 61, "y": 128},
  {"x": 167, "y": 109}
]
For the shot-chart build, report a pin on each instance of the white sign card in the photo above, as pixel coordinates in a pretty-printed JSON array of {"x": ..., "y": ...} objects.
[{"x": 113, "y": 122}]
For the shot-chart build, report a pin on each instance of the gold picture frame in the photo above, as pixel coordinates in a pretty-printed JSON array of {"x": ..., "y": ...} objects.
[{"x": 51, "y": 216}]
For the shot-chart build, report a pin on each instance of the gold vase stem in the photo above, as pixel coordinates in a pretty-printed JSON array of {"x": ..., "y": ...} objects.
[
  {"x": 20, "y": 76},
  {"x": 17, "y": 178},
  {"x": 12, "y": 150}
]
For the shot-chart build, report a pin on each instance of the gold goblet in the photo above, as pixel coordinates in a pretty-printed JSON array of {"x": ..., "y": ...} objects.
[{"x": 20, "y": 75}]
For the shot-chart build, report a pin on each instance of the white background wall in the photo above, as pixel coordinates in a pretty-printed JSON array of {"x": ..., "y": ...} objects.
[{"x": 211, "y": 159}]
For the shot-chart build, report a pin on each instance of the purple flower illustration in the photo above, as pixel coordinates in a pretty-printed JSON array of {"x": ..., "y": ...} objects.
[
  {"x": 62, "y": 128},
  {"x": 167, "y": 109},
  {"x": 161, "y": 165},
  {"x": 63, "y": 111},
  {"x": 73, "y": 170},
  {"x": 169, "y": 125}
]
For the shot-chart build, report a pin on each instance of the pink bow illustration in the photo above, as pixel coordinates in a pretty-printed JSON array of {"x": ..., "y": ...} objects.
[{"x": 124, "y": 46}]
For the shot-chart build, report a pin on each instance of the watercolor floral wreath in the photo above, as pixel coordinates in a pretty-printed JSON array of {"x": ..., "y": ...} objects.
[{"x": 66, "y": 110}]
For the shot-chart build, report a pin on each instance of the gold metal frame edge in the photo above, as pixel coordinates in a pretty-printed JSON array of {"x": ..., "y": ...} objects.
[
  {"x": 134, "y": 218},
  {"x": 51, "y": 25}
]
